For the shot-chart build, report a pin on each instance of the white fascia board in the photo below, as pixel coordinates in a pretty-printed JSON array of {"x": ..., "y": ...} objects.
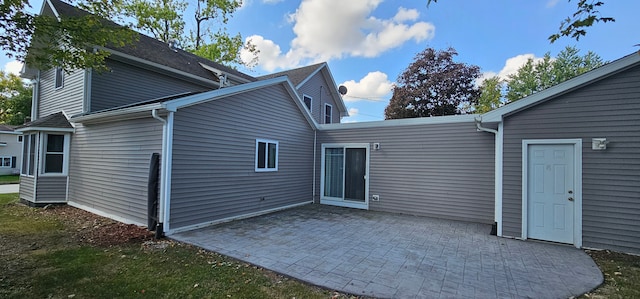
[
  {"x": 215, "y": 70},
  {"x": 115, "y": 113},
  {"x": 564, "y": 87},
  {"x": 157, "y": 65},
  {"x": 300, "y": 103},
  {"x": 303, "y": 82},
  {"x": 45, "y": 129},
  {"x": 10, "y": 132},
  {"x": 449, "y": 119},
  {"x": 53, "y": 9}
]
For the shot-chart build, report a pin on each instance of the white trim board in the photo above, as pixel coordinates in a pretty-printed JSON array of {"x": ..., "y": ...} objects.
[{"x": 577, "y": 151}]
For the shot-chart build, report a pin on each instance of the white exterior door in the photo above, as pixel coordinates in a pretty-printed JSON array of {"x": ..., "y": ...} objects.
[{"x": 551, "y": 192}]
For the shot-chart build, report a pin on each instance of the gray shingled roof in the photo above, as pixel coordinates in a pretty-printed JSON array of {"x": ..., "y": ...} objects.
[
  {"x": 156, "y": 51},
  {"x": 7, "y": 128},
  {"x": 296, "y": 76},
  {"x": 56, "y": 120}
]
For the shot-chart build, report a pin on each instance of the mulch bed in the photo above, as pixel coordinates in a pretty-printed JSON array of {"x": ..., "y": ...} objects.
[{"x": 97, "y": 230}]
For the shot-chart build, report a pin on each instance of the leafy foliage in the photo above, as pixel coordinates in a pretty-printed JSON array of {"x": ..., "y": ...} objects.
[
  {"x": 575, "y": 25},
  {"x": 15, "y": 99},
  {"x": 585, "y": 16},
  {"x": 162, "y": 19},
  {"x": 433, "y": 85},
  {"x": 44, "y": 41},
  {"x": 490, "y": 95},
  {"x": 535, "y": 76}
]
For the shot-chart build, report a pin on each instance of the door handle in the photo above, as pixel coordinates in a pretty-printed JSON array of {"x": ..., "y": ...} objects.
[{"x": 570, "y": 198}]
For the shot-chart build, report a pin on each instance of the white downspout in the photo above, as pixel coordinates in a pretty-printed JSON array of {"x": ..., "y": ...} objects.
[
  {"x": 163, "y": 174},
  {"x": 315, "y": 133},
  {"x": 497, "y": 217}
]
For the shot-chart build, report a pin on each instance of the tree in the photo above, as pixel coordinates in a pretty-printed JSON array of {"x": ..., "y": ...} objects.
[
  {"x": 15, "y": 99},
  {"x": 433, "y": 85},
  {"x": 164, "y": 20},
  {"x": 490, "y": 95},
  {"x": 68, "y": 42},
  {"x": 575, "y": 26},
  {"x": 536, "y": 76}
]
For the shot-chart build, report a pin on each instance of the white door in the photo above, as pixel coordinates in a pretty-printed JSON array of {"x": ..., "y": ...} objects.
[{"x": 551, "y": 192}]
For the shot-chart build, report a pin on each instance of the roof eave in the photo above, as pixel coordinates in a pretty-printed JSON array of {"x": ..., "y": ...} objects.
[
  {"x": 120, "y": 114},
  {"x": 436, "y": 120},
  {"x": 45, "y": 129}
]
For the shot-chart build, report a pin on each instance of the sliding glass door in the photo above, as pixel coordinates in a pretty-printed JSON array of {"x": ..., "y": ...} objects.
[{"x": 344, "y": 175}]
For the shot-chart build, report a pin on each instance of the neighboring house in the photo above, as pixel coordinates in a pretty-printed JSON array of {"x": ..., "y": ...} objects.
[
  {"x": 562, "y": 165},
  {"x": 10, "y": 150}
]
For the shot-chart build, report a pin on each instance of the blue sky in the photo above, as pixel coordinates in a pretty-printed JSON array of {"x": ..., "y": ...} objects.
[{"x": 368, "y": 43}]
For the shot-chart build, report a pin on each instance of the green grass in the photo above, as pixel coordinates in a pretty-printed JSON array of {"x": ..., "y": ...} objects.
[
  {"x": 9, "y": 179},
  {"x": 39, "y": 258},
  {"x": 621, "y": 275}
]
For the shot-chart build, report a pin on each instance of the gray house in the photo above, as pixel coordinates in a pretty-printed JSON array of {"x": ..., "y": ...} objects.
[{"x": 562, "y": 165}]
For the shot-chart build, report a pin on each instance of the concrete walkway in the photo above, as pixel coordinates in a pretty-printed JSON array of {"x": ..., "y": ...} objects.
[
  {"x": 9, "y": 188},
  {"x": 397, "y": 256}
]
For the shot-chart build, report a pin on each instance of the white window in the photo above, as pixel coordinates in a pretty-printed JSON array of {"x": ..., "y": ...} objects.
[
  {"x": 307, "y": 101},
  {"x": 328, "y": 112},
  {"x": 266, "y": 155},
  {"x": 54, "y": 153},
  {"x": 7, "y": 162},
  {"x": 59, "y": 77},
  {"x": 28, "y": 154},
  {"x": 19, "y": 138}
]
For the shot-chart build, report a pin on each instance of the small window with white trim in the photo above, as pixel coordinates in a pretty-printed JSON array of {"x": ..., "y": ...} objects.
[
  {"x": 59, "y": 77},
  {"x": 54, "y": 153},
  {"x": 307, "y": 101},
  {"x": 28, "y": 154},
  {"x": 328, "y": 113},
  {"x": 19, "y": 138},
  {"x": 266, "y": 155}
]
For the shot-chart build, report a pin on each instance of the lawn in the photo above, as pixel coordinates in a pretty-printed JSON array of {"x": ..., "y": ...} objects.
[
  {"x": 9, "y": 179},
  {"x": 63, "y": 252}
]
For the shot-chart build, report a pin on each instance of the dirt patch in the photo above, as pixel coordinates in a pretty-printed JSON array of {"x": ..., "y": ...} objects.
[{"x": 92, "y": 229}]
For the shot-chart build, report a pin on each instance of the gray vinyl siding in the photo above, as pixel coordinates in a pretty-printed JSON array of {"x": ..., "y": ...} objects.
[
  {"x": 317, "y": 88},
  {"x": 125, "y": 84},
  {"x": 26, "y": 188},
  {"x": 69, "y": 98},
  {"x": 214, "y": 148},
  {"x": 439, "y": 170},
  {"x": 51, "y": 189},
  {"x": 610, "y": 178},
  {"x": 110, "y": 166}
]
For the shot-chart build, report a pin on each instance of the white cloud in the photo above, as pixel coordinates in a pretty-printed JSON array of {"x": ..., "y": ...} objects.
[
  {"x": 510, "y": 67},
  {"x": 373, "y": 86},
  {"x": 332, "y": 29},
  {"x": 406, "y": 15},
  {"x": 13, "y": 67},
  {"x": 353, "y": 112},
  {"x": 271, "y": 1}
]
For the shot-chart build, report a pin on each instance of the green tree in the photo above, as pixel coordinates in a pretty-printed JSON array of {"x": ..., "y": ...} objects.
[
  {"x": 164, "y": 20},
  {"x": 44, "y": 41},
  {"x": 536, "y": 76},
  {"x": 575, "y": 25},
  {"x": 490, "y": 95},
  {"x": 433, "y": 85},
  {"x": 15, "y": 99}
]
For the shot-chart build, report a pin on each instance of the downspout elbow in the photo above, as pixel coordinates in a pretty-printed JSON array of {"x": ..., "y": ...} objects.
[
  {"x": 154, "y": 114},
  {"x": 481, "y": 128}
]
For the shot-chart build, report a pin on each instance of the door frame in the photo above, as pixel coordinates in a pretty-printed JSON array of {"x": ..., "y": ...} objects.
[
  {"x": 577, "y": 175},
  {"x": 343, "y": 203}
]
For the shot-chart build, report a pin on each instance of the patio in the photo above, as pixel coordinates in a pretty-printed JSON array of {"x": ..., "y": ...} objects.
[{"x": 387, "y": 255}]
